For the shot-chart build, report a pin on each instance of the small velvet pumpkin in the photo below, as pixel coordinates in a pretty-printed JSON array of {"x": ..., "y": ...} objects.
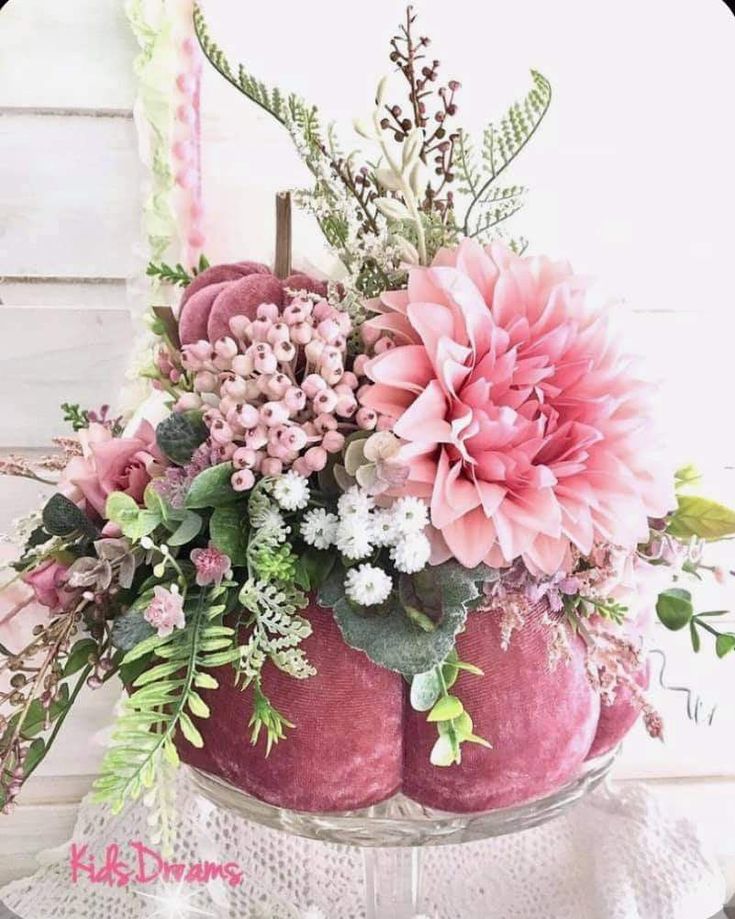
[
  {"x": 540, "y": 720},
  {"x": 345, "y": 751}
]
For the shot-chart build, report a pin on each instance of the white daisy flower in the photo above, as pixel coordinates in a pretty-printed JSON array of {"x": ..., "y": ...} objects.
[
  {"x": 411, "y": 515},
  {"x": 355, "y": 503},
  {"x": 353, "y": 538},
  {"x": 367, "y": 585},
  {"x": 319, "y": 528},
  {"x": 383, "y": 529},
  {"x": 291, "y": 491},
  {"x": 411, "y": 553}
]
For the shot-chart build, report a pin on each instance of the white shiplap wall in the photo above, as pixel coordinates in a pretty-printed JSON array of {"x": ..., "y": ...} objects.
[{"x": 69, "y": 218}]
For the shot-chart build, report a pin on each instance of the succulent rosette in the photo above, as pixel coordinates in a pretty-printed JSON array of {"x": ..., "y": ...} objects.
[{"x": 405, "y": 532}]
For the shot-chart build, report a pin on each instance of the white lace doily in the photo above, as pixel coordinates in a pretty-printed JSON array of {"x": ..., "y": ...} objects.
[{"x": 615, "y": 855}]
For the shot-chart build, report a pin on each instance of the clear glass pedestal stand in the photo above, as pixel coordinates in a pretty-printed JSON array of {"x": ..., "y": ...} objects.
[{"x": 393, "y": 833}]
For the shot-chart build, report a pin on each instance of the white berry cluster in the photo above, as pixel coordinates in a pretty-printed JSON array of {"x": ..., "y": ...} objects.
[{"x": 358, "y": 529}]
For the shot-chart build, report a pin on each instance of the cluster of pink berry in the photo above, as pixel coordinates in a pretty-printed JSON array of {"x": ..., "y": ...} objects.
[
  {"x": 276, "y": 393},
  {"x": 164, "y": 363}
]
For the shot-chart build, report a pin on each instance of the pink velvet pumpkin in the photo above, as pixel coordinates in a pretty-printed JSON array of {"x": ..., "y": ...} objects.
[
  {"x": 540, "y": 721},
  {"x": 345, "y": 751},
  {"x": 357, "y": 741},
  {"x": 223, "y": 291}
]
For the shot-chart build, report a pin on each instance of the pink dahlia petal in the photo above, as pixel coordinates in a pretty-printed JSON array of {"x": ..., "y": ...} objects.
[
  {"x": 470, "y": 538},
  {"x": 397, "y": 325},
  {"x": 432, "y": 322},
  {"x": 388, "y": 400},
  {"x": 514, "y": 391},
  {"x": 472, "y": 259},
  {"x": 413, "y": 362},
  {"x": 469, "y": 307},
  {"x": 425, "y": 419}
]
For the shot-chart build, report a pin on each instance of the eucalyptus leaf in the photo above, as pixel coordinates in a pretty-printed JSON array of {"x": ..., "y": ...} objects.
[
  {"x": 443, "y": 753},
  {"x": 134, "y": 522},
  {"x": 463, "y": 726},
  {"x": 212, "y": 488},
  {"x": 446, "y": 709},
  {"x": 154, "y": 501},
  {"x": 179, "y": 435},
  {"x": 450, "y": 672},
  {"x": 144, "y": 524},
  {"x": 425, "y": 690},
  {"x": 121, "y": 508},
  {"x": 228, "y": 532},
  {"x": 674, "y": 608},
  {"x": 188, "y": 528}
]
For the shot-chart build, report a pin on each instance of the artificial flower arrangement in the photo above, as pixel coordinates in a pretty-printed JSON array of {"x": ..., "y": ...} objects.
[{"x": 401, "y": 532}]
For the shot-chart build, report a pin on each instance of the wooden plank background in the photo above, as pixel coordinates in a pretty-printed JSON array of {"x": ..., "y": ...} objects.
[{"x": 69, "y": 238}]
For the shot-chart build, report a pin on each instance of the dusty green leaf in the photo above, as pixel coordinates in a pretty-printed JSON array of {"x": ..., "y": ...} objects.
[
  {"x": 425, "y": 690},
  {"x": 228, "y": 532},
  {"x": 674, "y": 608},
  {"x": 391, "y": 639},
  {"x": 212, "y": 488},
  {"x": 188, "y": 529}
]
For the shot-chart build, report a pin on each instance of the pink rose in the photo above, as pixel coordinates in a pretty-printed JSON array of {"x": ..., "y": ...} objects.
[
  {"x": 48, "y": 584},
  {"x": 111, "y": 464}
]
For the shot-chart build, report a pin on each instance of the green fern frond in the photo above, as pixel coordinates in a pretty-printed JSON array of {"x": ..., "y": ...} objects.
[
  {"x": 287, "y": 108},
  {"x": 497, "y": 206},
  {"x": 162, "y": 701},
  {"x": 277, "y": 630},
  {"x": 502, "y": 143},
  {"x": 468, "y": 171},
  {"x": 317, "y": 147}
]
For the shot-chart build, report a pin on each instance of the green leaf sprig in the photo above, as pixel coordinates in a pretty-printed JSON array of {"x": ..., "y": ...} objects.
[
  {"x": 430, "y": 691},
  {"x": 675, "y": 609},
  {"x": 165, "y": 698}
]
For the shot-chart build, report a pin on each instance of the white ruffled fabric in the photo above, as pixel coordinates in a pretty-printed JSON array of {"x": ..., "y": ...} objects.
[{"x": 615, "y": 855}]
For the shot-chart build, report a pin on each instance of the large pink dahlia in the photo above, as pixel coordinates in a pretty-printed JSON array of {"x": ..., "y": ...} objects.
[{"x": 522, "y": 421}]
